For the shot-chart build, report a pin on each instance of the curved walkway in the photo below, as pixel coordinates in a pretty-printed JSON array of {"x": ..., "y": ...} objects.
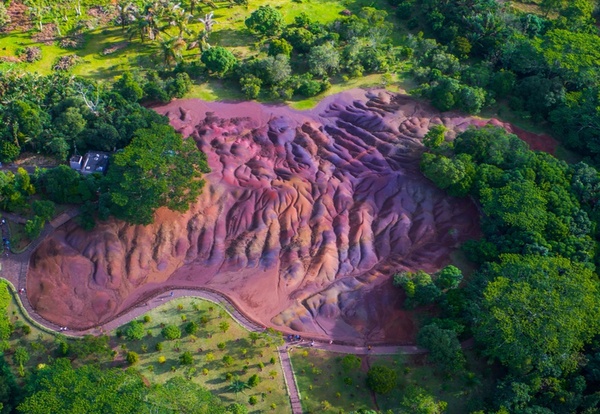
[{"x": 14, "y": 269}]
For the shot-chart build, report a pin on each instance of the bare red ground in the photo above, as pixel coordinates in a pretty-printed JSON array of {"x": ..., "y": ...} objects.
[
  {"x": 537, "y": 142},
  {"x": 304, "y": 219}
]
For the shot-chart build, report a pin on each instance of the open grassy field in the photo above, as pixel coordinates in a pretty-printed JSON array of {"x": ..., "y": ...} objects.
[
  {"x": 229, "y": 31},
  {"x": 325, "y": 386},
  {"x": 209, "y": 346}
]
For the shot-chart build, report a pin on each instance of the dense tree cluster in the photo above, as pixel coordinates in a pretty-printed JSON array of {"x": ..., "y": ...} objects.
[
  {"x": 301, "y": 56},
  {"x": 543, "y": 65},
  {"x": 534, "y": 303},
  {"x": 59, "y": 114},
  {"x": 61, "y": 388},
  {"x": 423, "y": 289}
]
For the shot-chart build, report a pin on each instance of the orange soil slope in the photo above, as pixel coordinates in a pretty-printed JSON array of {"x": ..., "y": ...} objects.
[{"x": 303, "y": 220}]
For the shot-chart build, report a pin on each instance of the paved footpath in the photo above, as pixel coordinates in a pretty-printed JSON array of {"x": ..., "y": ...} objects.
[
  {"x": 15, "y": 266},
  {"x": 290, "y": 379}
]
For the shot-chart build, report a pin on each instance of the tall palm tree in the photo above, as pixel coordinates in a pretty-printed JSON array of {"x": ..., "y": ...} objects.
[
  {"x": 171, "y": 50},
  {"x": 151, "y": 15},
  {"x": 193, "y": 4},
  {"x": 202, "y": 41},
  {"x": 128, "y": 13},
  {"x": 138, "y": 27},
  {"x": 178, "y": 17}
]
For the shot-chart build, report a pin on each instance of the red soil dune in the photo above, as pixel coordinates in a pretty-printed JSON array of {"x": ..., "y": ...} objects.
[{"x": 304, "y": 219}]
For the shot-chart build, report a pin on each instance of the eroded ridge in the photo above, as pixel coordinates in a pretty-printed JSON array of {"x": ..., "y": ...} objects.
[{"x": 304, "y": 218}]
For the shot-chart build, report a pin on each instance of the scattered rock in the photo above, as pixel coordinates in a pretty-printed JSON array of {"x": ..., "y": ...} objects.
[
  {"x": 30, "y": 54},
  {"x": 47, "y": 35},
  {"x": 10, "y": 59},
  {"x": 66, "y": 62},
  {"x": 72, "y": 42},
  {"x": 114, "y": 48},
  {"x": 103, "y": 15}
]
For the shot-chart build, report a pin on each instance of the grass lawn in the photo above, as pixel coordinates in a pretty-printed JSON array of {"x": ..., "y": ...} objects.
[
  {"x": 36, "y": 341},
  {"x": 230, "y": 31},
  {"x": 326, "y": 388},
  {"x": 208, "y": 368},
  {"x": 321, "y": 382},
  {"x": 271, "y": 393}
]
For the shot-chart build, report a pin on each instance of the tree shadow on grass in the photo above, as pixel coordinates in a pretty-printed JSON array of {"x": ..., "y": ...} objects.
[{"x": 233, "y": 38}]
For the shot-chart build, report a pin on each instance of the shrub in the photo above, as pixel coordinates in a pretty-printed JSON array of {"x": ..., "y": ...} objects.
[
  {"x": 30, "y": 54},
  {"x": 351, "y": 363},
  {"x": 381, "y": 379},
  {"x": 178, "y": 86},
  {"x": 63, "y": 348},
  {"x": 159, "y": 346},
  {"x": 309, "y": 88},
  {"x": 162, "y": 359},
  {"x": 218, "y": 60},
  {"x": 9, "y": 151},
  {"x": 171, "y": 332},
  {"x": 279, "y": 47},
  {"x": 221, "y": 345},
  {"x": 147, "y": 319},
  {"x": 253, "y": 400},
  {"x": 66, "y": 62},
  {"x": 191, "y": 328},
  {"x": 251, "y": 88},
  {"x": 132, "y": 357},
  {"x": 265, "y": 21},
  {"x": 253, "y": 381},
  {"x": 135, "y": 331},
  {"x": 228, "y": 360},
  {"x": 186, "y": 358},
  {"x": 34, "y": 227}
]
